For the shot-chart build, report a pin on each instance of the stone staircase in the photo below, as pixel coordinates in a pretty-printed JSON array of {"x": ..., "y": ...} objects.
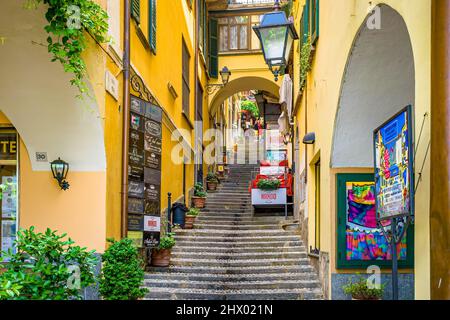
[{"x": 231, "y": 255}]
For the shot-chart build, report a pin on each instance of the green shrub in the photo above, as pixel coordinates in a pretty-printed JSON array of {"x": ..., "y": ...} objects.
[
  {"x": 212, "y": 177},
  {"x": 122, "y": 274},
  {"x": 268, "y": 184},
  {"x": 41, "y": 268},
  {"x": 193, "y": 212},
  {"x": 359, "y": 290},
  {"x": 199, "y": 190},
  {"x": 166, "y": 242},
  {"x": 251, "y": 107}
]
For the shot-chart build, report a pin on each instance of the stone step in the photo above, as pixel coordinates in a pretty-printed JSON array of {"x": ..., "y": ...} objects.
[
  {"x": 237, "y": 262},
  {"x": 274, "y": 219},
  {"x": 232, "y": 285},
  {"x": 238, "y": 226},
  {"x": 269, "y": 233},
  {"x": 202, "y": 294},
  {"x": 236, "y": 270},
  {"x": 183, "y": 242},
  {"x": 240, "y": 249},
  {"x": 240, "y": 256},
  {"x": 230, "y": 277}
]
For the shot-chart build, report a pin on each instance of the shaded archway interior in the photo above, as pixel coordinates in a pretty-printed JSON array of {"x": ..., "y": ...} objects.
[
  {"x": 36, "y": 96},
  {"x": 379, "y": 81},
  {"x": 243, "y": 84}
]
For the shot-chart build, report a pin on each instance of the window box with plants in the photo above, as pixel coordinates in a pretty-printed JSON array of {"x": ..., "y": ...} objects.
[
  {"x": 361, "y": 290},
  {"x": 161, "y": 254},
  {"x": 199, "y": 197},
  {"x": 212, "y": 180},
  {"x": 190, "y": 218}
]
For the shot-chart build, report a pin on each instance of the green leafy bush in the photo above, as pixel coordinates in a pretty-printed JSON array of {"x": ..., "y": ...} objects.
[
  {"x": 360, "y": 290},
  {"x": 122, "y": 274},
  {"x": 251, "y": 107},
  {"x": 268, "y": 184},
  {"x": 46, "y": 267},
  {"x": 212, "y": 177},
  {"x": 193, "y": 212},
  {"x": 199, "y": 190},
  {"x": 166, "y": 242}
]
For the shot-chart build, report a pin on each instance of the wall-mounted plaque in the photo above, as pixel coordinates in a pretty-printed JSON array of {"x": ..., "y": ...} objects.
[
  {"x": 135, "y": 222},
  {"x": 152, "y": 176},
  {"x": 136, "y": 139},
  {"x": 136, "y": 189},
  {"x": 136, "y": 122},
  {"x": 152, "y": 223},
  {"x": 153, "y": 128},
  {"x": 153, "y": 112},
  {"x": 151, "y": 239},
  {"x": 137, "y": 237},
  {"x": 153, "y": 160},
  {"x": 152, "y": 199},
  {"x": 137, "y": 105},
  {"x": 152, "y": 143},
  {"x": 136, "y": 156},
  {"x": 136, "y": 172},
  {"x": 135, "y": 206}
]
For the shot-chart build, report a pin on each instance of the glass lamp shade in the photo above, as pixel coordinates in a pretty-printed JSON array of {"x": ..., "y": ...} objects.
[
  {"x": 59, "y": 169},
  {"x": 276, "y": 34},
  {"x": 225, "y": 75}
]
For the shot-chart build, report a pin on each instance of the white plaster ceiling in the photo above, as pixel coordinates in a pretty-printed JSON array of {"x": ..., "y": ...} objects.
[
  {"x": 36, "y": 96},
  {"x": 379, "y": 82}
]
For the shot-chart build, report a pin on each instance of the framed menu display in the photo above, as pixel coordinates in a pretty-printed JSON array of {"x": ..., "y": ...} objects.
[{"x": 144, "y": 172}]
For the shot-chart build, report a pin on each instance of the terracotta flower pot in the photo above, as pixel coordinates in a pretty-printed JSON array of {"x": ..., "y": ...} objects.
[
  {"x": 189, "y": 222},
  {"x": 161, "y": 258},
  {"x": 212, "y": 185},
  {"x": 199, "y": 202}
]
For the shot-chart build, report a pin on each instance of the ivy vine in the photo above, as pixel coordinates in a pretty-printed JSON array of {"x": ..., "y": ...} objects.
[
  {"x": 68, "y": 22},
  {"x": 305, "y": 62}
]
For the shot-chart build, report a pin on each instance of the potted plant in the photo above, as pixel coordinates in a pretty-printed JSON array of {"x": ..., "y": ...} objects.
[
  {"x": 190, "y": 218},
  {"x": 212, "y": 180},
  {"x": 199, "y": 197},
  {"x": 161, "y": 254},
  {"x": 268, "y": 184},
  {"x": 360, "y": 290}
]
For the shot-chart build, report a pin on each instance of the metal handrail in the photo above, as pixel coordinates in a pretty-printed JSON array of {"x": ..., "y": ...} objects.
[{"x": 251, "y": 2}]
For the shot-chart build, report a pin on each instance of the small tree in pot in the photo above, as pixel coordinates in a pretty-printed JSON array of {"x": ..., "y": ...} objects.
[
  {"x": 361, "y": 290},
  {"x": 212, "y": 180},
  {"x": 199, "y": 197},
  {"x": 161, "y": 254},
  {"x": 190, "y": 218}
]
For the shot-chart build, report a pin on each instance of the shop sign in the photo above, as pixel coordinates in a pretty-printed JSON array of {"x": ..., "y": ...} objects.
[
  {"x": 136, "y": 172},
  {"x": 8, "y": 146},
  {"x": 136, "y": 156},
  {"x": 135, "y": 205},
  {"x": 153, "y": 112},
  {"x": 152, "y": 176},
  {"x": 153, "y": 160},
  {"x": 266, "y": 197},
  {"x": 151, "y": 239},
  {"x": 135, "y": 222},
  {"x": 137, "y": 237},
  {"x": 137, "y": 105},
  {"x": 136, "y": 122},
  {"x": 153, "y": 128},
  {"x": 152, "y": 223},
  {"x": 152, "y": 143},
  {"x": 136, "y": 189},
  {"x": 272, "y": 171},
  {"x": 393, "y": 149}
]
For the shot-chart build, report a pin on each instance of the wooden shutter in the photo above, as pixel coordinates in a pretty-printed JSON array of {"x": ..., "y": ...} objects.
[
  {"x": 314, "y": 20},
  {"x": 213, "y": 48},
  {"x": 152, "y": 25},
  {"x": 306, "y": 33},
  {"x": 136, "y": 10}
]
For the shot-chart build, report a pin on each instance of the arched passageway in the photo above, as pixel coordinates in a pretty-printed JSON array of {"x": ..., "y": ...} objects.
[{"x": 379, "y": 81}]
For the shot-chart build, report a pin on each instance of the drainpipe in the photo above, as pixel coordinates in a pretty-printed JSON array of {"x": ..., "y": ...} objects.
[
  {"x": 196, "y": 56},
  {"x": 126, "y": 115},
  {"x": 440, "y": 151}
]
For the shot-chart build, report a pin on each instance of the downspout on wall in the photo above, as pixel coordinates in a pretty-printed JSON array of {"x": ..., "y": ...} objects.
[{"x": 126, "y": 109}]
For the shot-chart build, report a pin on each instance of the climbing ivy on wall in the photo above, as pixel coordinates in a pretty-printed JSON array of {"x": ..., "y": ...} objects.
[
  {"x": 68, "y": 22},
  {"x": 305, "y": 62}
]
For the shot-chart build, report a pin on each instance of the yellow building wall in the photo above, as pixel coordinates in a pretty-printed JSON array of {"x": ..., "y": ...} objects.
[{"x": 339, "y": 24}]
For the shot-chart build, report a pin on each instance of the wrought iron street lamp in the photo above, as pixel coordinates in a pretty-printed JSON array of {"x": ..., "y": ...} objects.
[
  {"x": 225, "y": 75},
  {"x": 276, "y": 34},
  {"x": 59, "y": 169}
]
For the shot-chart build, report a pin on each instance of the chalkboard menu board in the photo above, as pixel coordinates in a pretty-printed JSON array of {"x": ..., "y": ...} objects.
[{"x": 144, "y": 172}]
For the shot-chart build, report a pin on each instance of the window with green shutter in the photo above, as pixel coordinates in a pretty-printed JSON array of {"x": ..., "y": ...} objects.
[
  {"x": 314, "y": 20},
  {"x": 136, "y": 10},
  {"x": 152, "y": 25},
  {"x": 213, "y": 48}
]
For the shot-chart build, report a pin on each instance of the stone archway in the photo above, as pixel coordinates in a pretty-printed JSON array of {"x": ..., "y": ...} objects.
[{"x": 379, "y": 81}]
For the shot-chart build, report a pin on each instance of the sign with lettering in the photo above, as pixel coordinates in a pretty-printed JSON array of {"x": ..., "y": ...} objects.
[
  {"x": 8, "y": 146},
  {"x": 152, "y": 223},
  {"x": 153, "y": 128},
  {"x": 394, "y": 175},
  {"x": 136, "y": 122},
  {"x": 135, "y": 222},
  {"x": 153, "y": 160},
  {"x": 135, "y": 205},
  {"x": 269, "y": 197},
  {"x": 153, "y": 112},
  {"x": 137, "y": 237},
  {"x": 151, "y": 239},
  {"x": 137, "y": 105},
  {"x": 152, "y": 144},
  {"x": 136, "y": 189}
]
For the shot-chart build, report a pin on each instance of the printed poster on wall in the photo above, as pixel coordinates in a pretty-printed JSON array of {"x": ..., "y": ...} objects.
[
  {"x": 393, "y": 149},
  {"x": 9, "y": 197},
  {"x": 144, "y": 191}
]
